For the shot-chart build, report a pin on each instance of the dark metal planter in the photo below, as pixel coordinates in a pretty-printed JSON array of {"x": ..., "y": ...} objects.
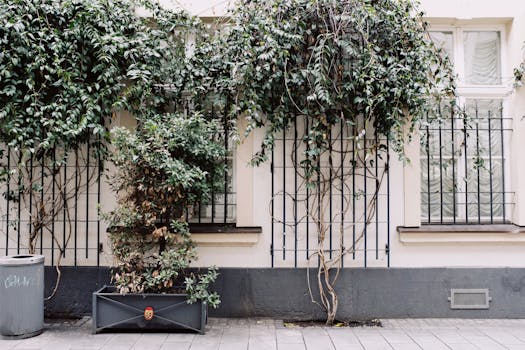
[{"x": 113, "y": 311}]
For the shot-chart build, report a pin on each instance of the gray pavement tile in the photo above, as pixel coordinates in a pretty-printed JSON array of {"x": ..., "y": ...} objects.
[
  {"x": 128, "y": 339},
  {"x": 289, "y": 336},
  {"x": 262, "y": 331},
  {"x": 288, "y": 346},
  {"x": 396, "y": 336},
  {"x": 262, "y": 342},
  {"x": 204, "y": 346},
  {"x": 484, "y": 342},
  {"x": 450, "y": 336},
  {"x": 175, "y": 346},
  {"x": 427, "y": 340},
  {"x": 7, "y": 344},
  {"x": 373, "y": 341},
  {"x": 88, "y": 344},
  {"x": 377, "y": 346},
  {"x": 115, "y": 347},
  {"x": 56, "y": 347},
  {"x": 236, "y": 333},
  {"x": 142, "y": 346},
  {"x": 33, "y": 345},
  {"x": 180, "y": 337},
  {"x": 349, "y": 347},
  {"x": 402, "y": 346},
  {"x": 503, "y": 337},
  {"x": 207, "y": 341},
  {"x": 433, "y": 346},
  {"x": 462, "y": 346},
  {"x": 233, "y": 346},
  {"x": 343, "y": 337},
  {"x": 317, "y": 338}
]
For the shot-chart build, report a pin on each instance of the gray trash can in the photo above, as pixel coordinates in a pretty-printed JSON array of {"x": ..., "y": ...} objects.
[{"x": 21, "y": 296}]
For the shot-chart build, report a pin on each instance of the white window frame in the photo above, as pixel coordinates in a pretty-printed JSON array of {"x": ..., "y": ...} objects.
[{"x": 473, "y": 91}]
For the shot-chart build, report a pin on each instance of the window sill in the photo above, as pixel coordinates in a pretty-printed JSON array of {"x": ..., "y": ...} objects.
[
  {"x": 224, "y": 235},
  {"x": 451, "y": 234}
]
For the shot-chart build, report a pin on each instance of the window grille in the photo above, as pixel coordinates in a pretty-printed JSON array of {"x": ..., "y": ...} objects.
[
  {"x": 463, "y": 164},
  {"x": 221, "y": 208}
]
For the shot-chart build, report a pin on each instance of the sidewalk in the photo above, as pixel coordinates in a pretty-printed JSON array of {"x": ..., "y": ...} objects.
[{"x": 258, "y": 334}]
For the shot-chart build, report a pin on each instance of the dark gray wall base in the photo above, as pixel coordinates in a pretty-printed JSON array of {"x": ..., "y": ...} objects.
[
  {"x": 74, "y": 294},
  {"x": 363, "y": 293}
]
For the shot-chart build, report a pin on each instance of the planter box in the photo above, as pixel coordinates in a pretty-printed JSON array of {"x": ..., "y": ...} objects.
[{"x": 113, "y": 311}]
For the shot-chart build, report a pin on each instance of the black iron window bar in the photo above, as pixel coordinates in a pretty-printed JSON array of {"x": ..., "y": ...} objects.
[{"x": 463, "y": 165}]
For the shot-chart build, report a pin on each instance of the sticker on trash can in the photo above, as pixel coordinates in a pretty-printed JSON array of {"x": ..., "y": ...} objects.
[{"x": 148, "y": 313}]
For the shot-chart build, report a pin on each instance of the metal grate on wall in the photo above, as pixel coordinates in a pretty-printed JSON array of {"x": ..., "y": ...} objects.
[
  {"x": 348, "y": 204},
  {"x": 61, "y": 210}
]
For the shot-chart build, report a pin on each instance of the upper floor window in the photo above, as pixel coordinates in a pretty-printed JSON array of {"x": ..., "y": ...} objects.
[{"x": 464, "y": 156}]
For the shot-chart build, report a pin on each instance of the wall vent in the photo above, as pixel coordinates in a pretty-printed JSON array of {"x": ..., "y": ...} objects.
[{"x": 474, "y": 299}]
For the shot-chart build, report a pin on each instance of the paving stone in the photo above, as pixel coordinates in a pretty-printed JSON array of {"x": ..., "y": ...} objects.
[
  {"x": 503, "y": 337},
  {"x": 316, "y": 338},
  {"x": 373, "y": 341},
  {"x": 262, "y": 342},
  {"x": 450, "y": 337},
  {"x": 396, "y": 337},
  {"x": 180, "y": 338},
  {"x": 116, "y": 347},
  {"x": 426, "y": 340},
  {"x": 462, "y": 346},
  {"x": 343, "y": 338},
  {"x": 288, "y": 346},
  {"x": 401, "y": 346},
  {"x": 484, "y": 342},
  {"x": 516, "y": 347},
  {"x": 175, "y": 346},
  {"x": 289, "y": 336}
]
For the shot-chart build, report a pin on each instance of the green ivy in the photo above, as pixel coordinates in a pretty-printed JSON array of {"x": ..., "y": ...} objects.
[
  {"x": 67, "y": 65},
  {"x": 328, "y": 62}
]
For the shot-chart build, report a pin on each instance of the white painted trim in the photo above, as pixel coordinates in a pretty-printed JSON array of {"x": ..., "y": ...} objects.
[
  {"x": 225, "y": 239},
  {"x": 460, "y": 237},
  {"x": 412, "y": 183},
  {"x": 441, "y": 234},
  {"x": 244, "y": 183}
]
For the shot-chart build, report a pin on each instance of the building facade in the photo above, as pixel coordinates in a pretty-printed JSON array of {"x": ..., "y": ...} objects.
[{"x": 452, "y": 219}]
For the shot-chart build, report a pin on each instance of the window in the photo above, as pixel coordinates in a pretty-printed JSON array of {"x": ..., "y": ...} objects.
[
  {"x": 221, "y": 208},
  {"x": 463, "y": 155}
]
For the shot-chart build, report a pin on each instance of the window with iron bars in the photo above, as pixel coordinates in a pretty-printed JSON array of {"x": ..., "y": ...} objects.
[
  {"x": 464, "y": 159},
  {"x": 221, "y": 206}
]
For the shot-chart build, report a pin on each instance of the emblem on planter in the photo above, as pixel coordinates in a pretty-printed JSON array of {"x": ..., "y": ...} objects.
[{"x": 148, "y": 313}]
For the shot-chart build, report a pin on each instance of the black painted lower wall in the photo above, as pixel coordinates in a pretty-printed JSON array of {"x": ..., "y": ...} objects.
[{"x": 363, "y": 293}]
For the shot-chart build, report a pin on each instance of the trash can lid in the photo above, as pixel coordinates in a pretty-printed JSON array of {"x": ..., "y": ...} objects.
[{"x": 21, "y": 259}]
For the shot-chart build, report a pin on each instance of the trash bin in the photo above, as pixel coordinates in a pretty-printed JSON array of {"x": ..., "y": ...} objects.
[{"x": 21, "y": 296}]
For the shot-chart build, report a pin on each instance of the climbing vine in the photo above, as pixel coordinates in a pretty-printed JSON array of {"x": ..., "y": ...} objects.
[
  {"x": 66, "y": 67},
  {"x": 364, "y": 67}
]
